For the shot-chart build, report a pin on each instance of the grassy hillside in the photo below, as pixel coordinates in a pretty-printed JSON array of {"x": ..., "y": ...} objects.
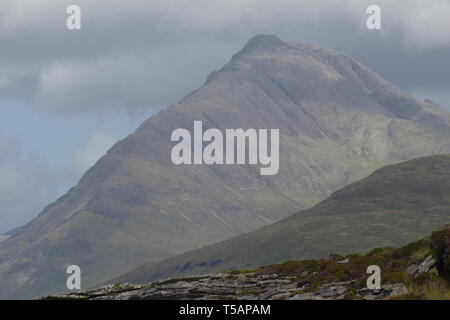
[{"x": 393, "y": 206}]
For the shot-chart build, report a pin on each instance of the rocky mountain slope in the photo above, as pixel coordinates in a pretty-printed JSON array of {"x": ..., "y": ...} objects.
[
  {"x": 391, "y": 207},
  {"x": 419, "y": 270},
  {"x": 338, "y": 122}
]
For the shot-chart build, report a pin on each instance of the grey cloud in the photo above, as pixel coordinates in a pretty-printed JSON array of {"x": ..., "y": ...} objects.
[
  {"x": 147, "y": 54},
  {"x": 26, "y": 184},
  {"x": 135, "y": 80}
]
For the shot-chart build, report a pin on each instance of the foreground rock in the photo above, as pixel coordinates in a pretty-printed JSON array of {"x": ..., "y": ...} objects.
[
  {"x": 415, "y": 271},
  {"x": 247, "y": 286}
]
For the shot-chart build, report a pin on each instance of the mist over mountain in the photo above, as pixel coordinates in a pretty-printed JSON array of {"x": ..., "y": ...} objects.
[{"x": 338, "y": 122}]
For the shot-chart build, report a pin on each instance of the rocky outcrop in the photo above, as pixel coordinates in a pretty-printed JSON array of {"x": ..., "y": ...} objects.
[
  {"x": 424, "y": 266},
  {"x": 349, "y": 290},
  {"x": 246, "y": 286}
]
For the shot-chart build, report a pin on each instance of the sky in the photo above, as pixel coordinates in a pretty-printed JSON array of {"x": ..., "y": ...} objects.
[{"x": 66, "y": 96}]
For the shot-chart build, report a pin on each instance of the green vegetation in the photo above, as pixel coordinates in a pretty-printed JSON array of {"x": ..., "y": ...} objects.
[
  {"x": 235, "y": 272},
  {"x": 428, "y": 287},
  {"x": 392, "y": 261},
  {"x": 431, "y": 285}
]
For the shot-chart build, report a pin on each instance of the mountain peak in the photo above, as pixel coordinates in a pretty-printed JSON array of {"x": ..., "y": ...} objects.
[
  {"x": 264, "y": 38},
  {"x": 263, "y": 42}
]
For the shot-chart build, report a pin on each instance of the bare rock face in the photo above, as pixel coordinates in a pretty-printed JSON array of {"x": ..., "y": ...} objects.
[{"x": 424, "y": 266}]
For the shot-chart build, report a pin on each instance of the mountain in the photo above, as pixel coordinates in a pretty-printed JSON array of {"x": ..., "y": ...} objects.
[
  {"x": 418, "y": 270},
  {"x": 338, "y": 122},
  {"x": 393, "y": 206}
]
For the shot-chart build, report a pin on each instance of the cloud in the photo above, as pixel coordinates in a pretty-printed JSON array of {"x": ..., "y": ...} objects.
[
  {"x": 132, "y": 80},
  {"x": 96, "y": 147},
  {"x": 137, "y": 55},
  {"x": 423, "y": 23},
  {"x": 4, "y": 81},
  {"x": 27, "y": 184}
]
